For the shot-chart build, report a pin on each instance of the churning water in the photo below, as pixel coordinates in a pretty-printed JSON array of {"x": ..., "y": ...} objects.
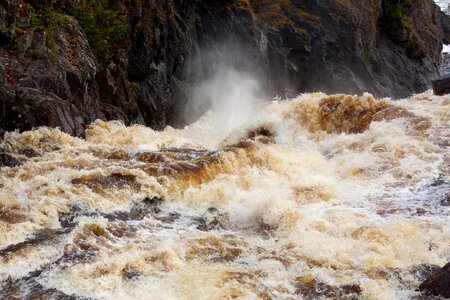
[
  {"x": 444, "y": 4},
  {"x": 316, "y": 197}
]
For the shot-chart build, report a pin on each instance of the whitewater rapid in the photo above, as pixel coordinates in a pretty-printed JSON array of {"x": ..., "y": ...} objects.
[
  {"x": 444, "y": 4},
  {"x": 316, "y": 197}
]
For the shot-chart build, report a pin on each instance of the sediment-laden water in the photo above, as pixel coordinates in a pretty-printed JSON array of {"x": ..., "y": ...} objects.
[{"x": 317, "y": 197}]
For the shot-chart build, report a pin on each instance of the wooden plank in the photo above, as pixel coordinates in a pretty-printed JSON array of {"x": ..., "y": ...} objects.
[{"x": 441, "y": 86}]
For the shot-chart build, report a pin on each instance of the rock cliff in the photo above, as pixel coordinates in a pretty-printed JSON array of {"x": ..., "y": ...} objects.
[{"x": 68, "y": 62}]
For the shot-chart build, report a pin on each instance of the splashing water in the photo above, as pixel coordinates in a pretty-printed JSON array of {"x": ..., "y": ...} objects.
[
  {"x": 232, "y": 96},
  {"x": 444, "y": 4},
  {"x": 316, "y": 197}
]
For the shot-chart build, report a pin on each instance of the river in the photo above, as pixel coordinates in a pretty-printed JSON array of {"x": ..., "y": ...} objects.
[{"x": 317, "y": 196}]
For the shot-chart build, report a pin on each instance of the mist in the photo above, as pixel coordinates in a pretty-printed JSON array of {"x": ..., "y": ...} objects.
[
  {"x": 228, "y": 88},
  {"x": 231, "y": 95}
]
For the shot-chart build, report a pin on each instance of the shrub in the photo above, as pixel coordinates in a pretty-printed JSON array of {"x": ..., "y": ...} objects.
[
  {"x": 103, "y": 26},
  {"x": 395, "y": 15},
  {"x": 395, "y": 12},
  {"x": 51, "y": 18},
  {"x": 34, "y": 20},
  {"x": 35, "y": 53}
]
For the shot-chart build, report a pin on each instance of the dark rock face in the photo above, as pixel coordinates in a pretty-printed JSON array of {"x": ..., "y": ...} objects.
[
  {"x": 438, "y": 284},
  {"x": 2, "y": 105},
  {"x": 7, "y": 19},
  {"x": 36, "y": 108},
  {"x": 163, "y": 41},
  {"x": 336, "y": 46},
  {"x": 53, "y": 76}
]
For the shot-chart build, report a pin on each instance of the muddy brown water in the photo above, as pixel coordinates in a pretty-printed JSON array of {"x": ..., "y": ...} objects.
[{"x": 332, "y": 197}]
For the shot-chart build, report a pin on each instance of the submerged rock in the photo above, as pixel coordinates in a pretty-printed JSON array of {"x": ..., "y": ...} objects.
[
  {"x": 31, "y": 289},
  {"x": 7, "y": 160},
  {"x": 438, "y": 284},
  {"x": 310, "y": 288}
]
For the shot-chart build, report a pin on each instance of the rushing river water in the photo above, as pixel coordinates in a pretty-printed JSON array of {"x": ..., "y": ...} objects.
[
  {"x": 320, "y": 196},
  {"x": 444, "y": 4}
]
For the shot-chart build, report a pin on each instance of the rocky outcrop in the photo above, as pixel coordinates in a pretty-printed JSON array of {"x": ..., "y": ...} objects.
[
  {"x": 7, "y": 19},
  {"x": 438, "y": 284},
  {"x": 36, "y": 108},
  {"x": 2, "y": 107},
  {"x": 384, "y": 47},
  {"x": 61, "y": 70}
]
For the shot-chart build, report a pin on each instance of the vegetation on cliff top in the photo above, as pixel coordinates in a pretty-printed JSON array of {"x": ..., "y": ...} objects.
[{"x": 103, "y": 25}]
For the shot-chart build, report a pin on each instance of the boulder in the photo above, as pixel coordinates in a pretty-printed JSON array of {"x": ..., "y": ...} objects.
[
  {"x": 7, "y": 160},
  {"x": 32, "y": 108},
  {"x": 441, "y": 86},
  {"x": 438, "y": 284}
]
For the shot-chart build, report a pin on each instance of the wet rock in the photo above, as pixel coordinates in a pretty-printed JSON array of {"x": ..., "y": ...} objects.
[
  {"x": 441, "y": 86},
  {"x": 438, "y": 284},
  {"x": 424, "y": 271},
  {"x": 29, "y": 152},
  {"x": 32, "y": 108},
  {"x": 7, "y": 160}
]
